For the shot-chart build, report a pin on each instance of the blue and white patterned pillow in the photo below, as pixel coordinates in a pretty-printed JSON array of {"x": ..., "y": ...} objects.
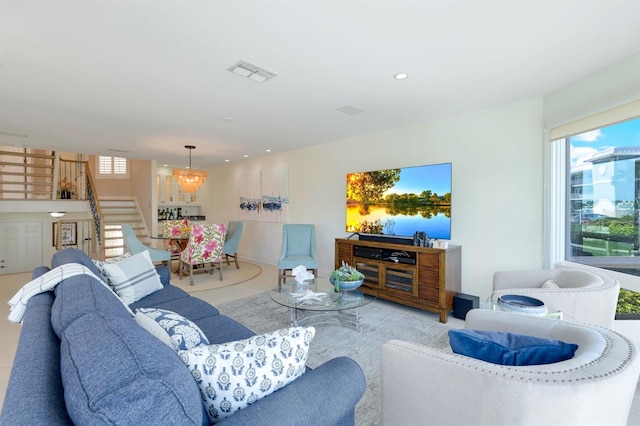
[
  {"x": 233, "y": 375},
  {"x": 173, "y": 329}
]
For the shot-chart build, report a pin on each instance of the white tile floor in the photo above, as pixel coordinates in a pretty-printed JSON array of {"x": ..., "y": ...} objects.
[{"x": 9, "y": 285}]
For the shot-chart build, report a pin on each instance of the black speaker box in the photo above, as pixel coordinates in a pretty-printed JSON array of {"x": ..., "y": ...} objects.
[{"x": 463, "y": 303}]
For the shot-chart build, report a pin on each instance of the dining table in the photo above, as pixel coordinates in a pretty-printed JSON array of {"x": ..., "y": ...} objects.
[{"x": 176, "y": 244}]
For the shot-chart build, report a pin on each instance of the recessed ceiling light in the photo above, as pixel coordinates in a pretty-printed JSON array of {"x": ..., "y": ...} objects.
[
  {"x": 267, "y": 150},
  {"x": 401, "y": 76},
  {"x": 227, "y": 118},
  {"x": 245, "y": 156},
  {"x": 226, "y": 161}
]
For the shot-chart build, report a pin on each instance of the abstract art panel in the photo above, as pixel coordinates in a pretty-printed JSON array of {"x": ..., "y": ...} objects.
[
  {"x": 250, "y": 197},
  {"x": 275, "y": 195}
]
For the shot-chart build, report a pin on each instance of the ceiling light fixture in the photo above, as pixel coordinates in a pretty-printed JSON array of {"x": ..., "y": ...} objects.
[
  {"x": 189, "y": 179},
  {"x": 252, "y": 72},
  {"x": 57, "y": 215},
  {"x": 401, "y": 76},
  {"x": 350, "y": 110}
]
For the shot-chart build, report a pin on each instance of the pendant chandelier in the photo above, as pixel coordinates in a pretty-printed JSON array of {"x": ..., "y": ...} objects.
[{"x": 189, "y": 179}]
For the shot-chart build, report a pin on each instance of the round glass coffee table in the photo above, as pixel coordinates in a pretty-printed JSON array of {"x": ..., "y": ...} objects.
[{"x": 316, "y": 302}]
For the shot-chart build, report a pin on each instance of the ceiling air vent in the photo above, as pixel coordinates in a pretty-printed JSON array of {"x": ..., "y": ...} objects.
[{"x": 252, "y": 72}]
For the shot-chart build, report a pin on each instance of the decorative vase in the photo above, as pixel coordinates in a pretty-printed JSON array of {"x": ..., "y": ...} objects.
[
  {"x": 346, "y": 285},
  {"x": 65, "y": 195}
]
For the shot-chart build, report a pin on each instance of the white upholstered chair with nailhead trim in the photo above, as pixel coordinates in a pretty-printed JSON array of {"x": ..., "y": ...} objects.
[{"x": 424, "y": 385}]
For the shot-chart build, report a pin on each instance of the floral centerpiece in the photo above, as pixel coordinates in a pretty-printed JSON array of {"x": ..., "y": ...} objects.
[
  {"x": 346, "y": 277},
  {"x": 66, "y": 188}
]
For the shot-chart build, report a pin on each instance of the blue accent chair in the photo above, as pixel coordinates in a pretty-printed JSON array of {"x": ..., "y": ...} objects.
[
  {"x": 134, "y": 245},
  {"x": 231, "y": 240},
  {"x": 298, "y": 248}
]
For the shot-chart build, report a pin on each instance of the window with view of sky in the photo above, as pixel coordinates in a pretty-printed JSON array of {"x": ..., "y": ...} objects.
[{"x": 604, "y": 196}]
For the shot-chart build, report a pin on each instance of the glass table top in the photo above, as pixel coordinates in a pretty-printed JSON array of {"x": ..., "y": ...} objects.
[{"x": 323, "y": 297}]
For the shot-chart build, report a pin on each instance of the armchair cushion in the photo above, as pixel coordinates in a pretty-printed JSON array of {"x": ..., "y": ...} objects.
[{"x": 509, "y": 348}]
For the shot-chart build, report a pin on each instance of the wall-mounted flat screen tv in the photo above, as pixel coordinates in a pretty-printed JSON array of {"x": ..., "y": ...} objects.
[{"x": 401, "y": 202}]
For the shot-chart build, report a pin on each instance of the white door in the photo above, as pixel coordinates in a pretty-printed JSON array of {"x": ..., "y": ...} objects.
[{"x": 20, "y": 247}]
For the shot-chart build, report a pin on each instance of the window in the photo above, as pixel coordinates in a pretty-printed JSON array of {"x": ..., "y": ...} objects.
[
  {"x": 112, "y": 167},
  {"x": 602, "y": 196}
]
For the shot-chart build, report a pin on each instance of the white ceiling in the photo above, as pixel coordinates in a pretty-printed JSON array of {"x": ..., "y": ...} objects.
[{"x": 148, "y": 77}]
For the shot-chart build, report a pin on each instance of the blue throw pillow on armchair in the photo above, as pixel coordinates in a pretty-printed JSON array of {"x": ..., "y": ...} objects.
[{"x": 509, "y": 348}]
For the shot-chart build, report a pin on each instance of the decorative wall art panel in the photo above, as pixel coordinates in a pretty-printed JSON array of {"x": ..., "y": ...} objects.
[
  {"x": 275, "y": 195},
  {"x": 264, "y": 195},
  {"x": 250, "y": 196}
]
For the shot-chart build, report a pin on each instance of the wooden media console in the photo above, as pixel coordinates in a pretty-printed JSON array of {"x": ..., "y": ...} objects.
[{"x": 421, "y": 277}]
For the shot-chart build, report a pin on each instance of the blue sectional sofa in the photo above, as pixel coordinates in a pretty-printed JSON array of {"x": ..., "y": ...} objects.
[{"x": 117, "y": 373}]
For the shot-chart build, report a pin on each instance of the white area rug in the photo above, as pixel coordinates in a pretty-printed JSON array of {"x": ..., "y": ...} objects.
[
  {"x": 204, "y": 281},
  {"x": 382, "y": 321}
]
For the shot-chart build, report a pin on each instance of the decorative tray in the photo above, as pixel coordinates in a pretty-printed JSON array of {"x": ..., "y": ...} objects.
[{"x": 522, "y": 304}]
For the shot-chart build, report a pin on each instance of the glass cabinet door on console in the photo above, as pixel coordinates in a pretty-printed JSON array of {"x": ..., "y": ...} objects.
[
  {"x": 397, "y": 278},
  {"x": 371, "y": 272},
  {"x": 401, "y": 280}
]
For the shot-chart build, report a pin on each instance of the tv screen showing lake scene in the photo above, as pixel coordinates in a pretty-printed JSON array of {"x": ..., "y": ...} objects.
[{"x": 401, "y": 202}]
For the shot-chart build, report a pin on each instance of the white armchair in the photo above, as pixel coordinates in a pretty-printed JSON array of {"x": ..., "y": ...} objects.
[
  {"x": 581, "y": 295},
  {"x": 424, "y": 385}
]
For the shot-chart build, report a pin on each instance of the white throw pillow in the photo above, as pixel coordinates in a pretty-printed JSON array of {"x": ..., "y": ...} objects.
[
  {"x": 233, "y": 375},
  {"x": 100, "y": 263},
  {"x": 133, "y": 278},
  {"x": 171, "y": 328}
]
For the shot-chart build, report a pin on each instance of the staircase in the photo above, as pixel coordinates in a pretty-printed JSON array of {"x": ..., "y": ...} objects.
[{"x": 116, "y": 212}]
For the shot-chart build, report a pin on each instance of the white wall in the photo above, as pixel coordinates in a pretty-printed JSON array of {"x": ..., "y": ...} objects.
[
  {"x": 143, "y": 188},
  {"x": 21, "y": 211},
  {"x": 496, "y": 157},
  {"x": 611, "y": 86}
]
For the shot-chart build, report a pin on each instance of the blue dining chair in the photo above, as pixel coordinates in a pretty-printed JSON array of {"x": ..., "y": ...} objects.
[
  {"x": 298, "y": 248},
  {"x": 230, "y": 249},
  {"x": 134, "y": 245}
]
